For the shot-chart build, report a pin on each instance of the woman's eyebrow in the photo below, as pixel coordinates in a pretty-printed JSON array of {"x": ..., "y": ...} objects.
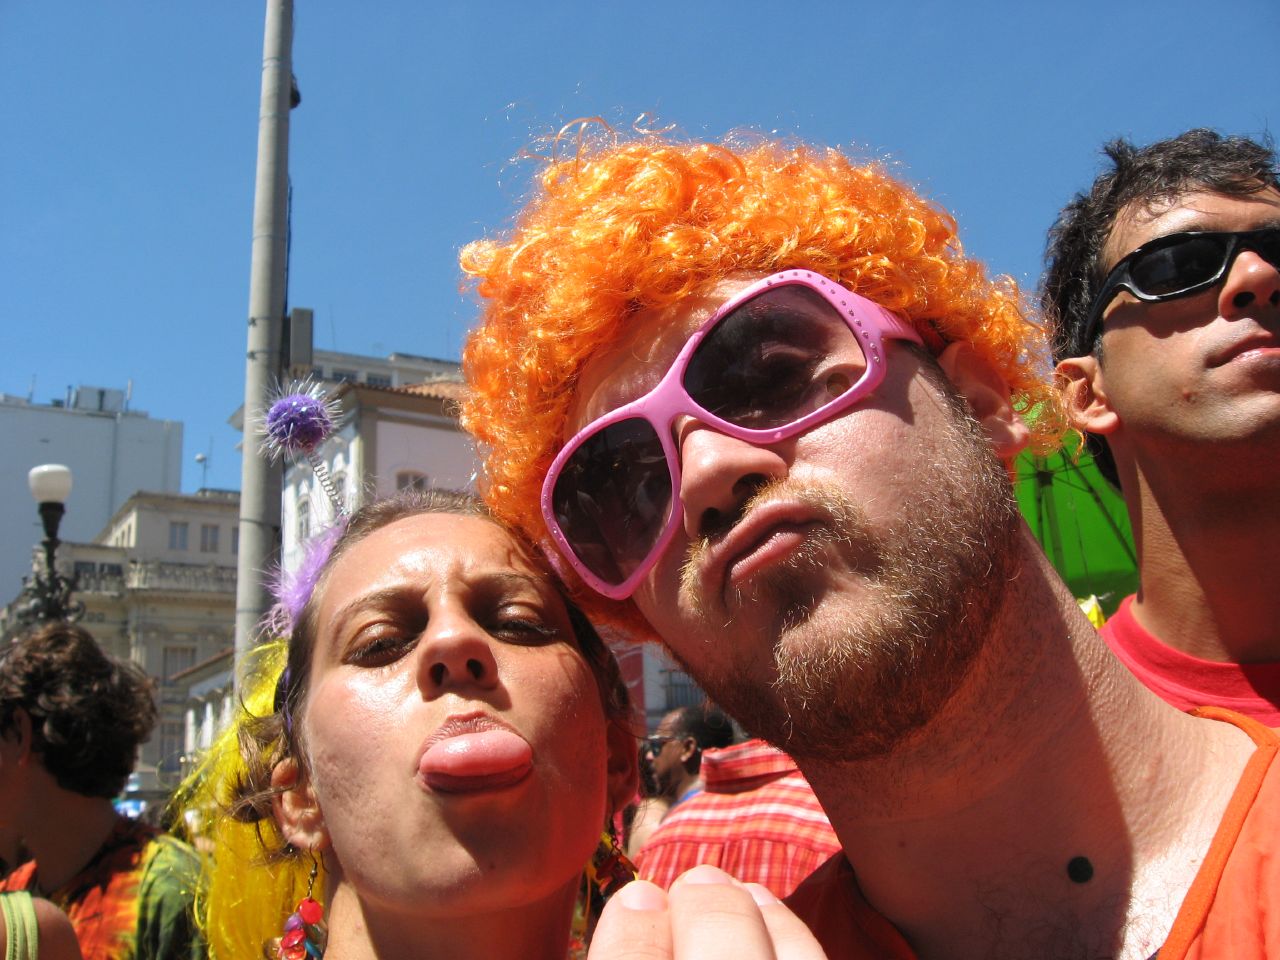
[
  {"x": 378, "y": 599},
  {"x": 509, "y": 578}
]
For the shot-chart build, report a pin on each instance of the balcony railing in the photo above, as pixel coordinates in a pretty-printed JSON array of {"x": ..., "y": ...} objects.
[
  {"x": 680, "y": 691},
  {"x": 183, "y": 577}
]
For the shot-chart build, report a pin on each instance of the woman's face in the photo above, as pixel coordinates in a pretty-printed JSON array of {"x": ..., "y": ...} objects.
[{"x": 454, "y": 735}]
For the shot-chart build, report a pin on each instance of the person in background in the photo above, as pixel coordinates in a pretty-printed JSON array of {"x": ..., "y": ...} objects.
[
  {"x": 71, "y": 720},
  {"x": 641, "y": 817},
  {"x": 1163, "y": 285},
  {"x": 756, "y": 818}
]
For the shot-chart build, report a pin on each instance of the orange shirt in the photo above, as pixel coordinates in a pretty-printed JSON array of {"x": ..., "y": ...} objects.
[{"x": 1231, "y": 912}]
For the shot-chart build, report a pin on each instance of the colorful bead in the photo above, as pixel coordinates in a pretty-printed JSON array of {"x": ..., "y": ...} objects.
[{"x": 310, "y": 911}]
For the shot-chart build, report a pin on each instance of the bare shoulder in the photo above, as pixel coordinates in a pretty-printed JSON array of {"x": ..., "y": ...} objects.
[{"x": 57, "y": 936}]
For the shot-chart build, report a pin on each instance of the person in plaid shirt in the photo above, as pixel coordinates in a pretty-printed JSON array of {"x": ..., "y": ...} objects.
[{"x": 756, "y": 818}]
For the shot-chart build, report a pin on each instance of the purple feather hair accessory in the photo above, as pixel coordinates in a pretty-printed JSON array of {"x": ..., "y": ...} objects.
[
  {"x": 298, "y": 420},
  {"x": 293, "y": 590}
]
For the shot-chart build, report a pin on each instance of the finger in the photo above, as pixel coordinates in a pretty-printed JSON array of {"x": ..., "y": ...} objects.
[
  {"x": 792, "y": 940},
  {"x": 713, "y": 917},
  {"x": 634, "y": 925}
]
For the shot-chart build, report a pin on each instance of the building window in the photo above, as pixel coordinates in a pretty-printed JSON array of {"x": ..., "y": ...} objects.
[
  {"x": 208, "y": 538},
  {"x": 339, "y": 481},
  {"x": 377, "y": 379},
  {"x": 177, "y": 659},
  {"x": 177, "y": 535},
  {"x": 345, "y": 376},
  {"x": 235, "y": 539},
  {"x": 304, "y": 520},
  {"x": 411, "y": 480},
  {"x": 171, "y": 736}
]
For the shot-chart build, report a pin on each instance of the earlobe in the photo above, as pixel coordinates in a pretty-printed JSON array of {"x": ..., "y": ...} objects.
[
  {"x": 1084, "y": 395},
  {"x": 988, "y": 396},
  {"x": 622, "y": 770},
  {"x": 296, "y": 810}
]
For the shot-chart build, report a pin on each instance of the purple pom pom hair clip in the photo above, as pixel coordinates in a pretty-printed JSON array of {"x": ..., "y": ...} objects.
[{"x": 298, "y": 420}]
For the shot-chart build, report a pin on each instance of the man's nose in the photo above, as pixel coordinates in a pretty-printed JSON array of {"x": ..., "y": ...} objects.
[
  {"x": 718, "y": 474},
  {"x": 1252, "y": 282}
]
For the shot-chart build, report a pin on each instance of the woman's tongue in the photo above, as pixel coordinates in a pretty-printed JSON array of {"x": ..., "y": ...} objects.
[{"x": 474, "y": 762}]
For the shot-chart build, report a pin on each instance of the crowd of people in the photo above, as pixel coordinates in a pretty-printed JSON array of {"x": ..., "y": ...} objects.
[{"x": 753, "y": 401}]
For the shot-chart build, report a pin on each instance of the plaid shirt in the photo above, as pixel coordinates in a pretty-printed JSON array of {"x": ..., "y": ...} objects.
[{"x": 756, "y": 818}]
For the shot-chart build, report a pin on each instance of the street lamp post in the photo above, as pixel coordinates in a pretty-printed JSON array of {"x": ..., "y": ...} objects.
[{"x": 46, "y": 595}]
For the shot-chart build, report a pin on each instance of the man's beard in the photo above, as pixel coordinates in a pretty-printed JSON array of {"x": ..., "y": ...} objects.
[{"x": 853, "y": 684}]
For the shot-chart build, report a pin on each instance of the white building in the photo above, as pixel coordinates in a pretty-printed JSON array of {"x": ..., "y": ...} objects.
[
  {"x": 112, "y": 452},
  {"x": 388, "y": 438},
  {"x": 395, "y": 370}
]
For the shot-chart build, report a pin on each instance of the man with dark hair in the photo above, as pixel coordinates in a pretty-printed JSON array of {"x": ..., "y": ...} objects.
[
  {"x": 71, "y": 721},
  {"x": 675, "y": 749},
  {"x": 749, "y": 811},
  {"x": 759, "y": 402},
  {"x": 1163, "y": 284}
]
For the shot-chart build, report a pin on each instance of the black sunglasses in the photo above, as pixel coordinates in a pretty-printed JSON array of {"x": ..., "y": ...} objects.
[
  {"x": 1177, "y": 266},
  {"x": 654, "y": 744}
]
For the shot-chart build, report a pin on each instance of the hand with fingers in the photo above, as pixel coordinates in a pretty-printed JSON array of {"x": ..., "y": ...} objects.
[{"x": 706, "y": 915}]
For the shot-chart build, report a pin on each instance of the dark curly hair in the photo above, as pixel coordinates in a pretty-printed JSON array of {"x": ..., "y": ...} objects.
[
  {"x": 89, "y": 710},
  {"x": 1199, "y": 159}
]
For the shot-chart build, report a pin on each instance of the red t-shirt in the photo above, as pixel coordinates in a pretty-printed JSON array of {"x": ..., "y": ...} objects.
[
  {"x": 1231, "y": 911},
  {"x": 1186, "y": 681}
]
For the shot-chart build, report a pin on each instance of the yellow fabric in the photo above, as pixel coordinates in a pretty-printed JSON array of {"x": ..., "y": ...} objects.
[
  {"x": 244, "y": 898},
  {"x": 1093, "y": 610}
]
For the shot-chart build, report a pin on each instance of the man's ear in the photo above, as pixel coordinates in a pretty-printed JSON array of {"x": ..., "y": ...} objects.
[
  {"x": 296, "y": 810},
  {"x": 688, "y": 749},
  {"x": 1084, "y": 394},
  {"x": 988, "y": 396},
  {"x": 623, "y": 770},
  {"x": 15, "y": 742},
  {"x": 19, "y": 737}
]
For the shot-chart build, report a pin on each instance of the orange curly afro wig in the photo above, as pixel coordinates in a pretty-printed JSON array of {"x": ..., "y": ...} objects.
[{"x": 626, "y": 225}]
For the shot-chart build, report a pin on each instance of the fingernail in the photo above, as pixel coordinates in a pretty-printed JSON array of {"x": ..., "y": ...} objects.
[
  {"x": 762, "y": 895},
  {"x": 705, "y": 873},
  {"x": 640, "y": 895}
]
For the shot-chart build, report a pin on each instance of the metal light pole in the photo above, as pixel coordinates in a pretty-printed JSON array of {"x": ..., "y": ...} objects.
[
  {"x": 46, "y": 596},
  {"x": 259, "y": 481}
]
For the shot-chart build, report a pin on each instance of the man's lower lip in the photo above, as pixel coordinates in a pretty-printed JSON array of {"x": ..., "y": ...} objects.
[
  {"x": 780, "y": 542},
  {"x": 487, "y": 783},
  {"x": 1254, "y": 355}
]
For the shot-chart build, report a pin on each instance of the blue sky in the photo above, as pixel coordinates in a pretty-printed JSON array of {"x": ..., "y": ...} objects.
[{"x": 128, "y": 141}]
